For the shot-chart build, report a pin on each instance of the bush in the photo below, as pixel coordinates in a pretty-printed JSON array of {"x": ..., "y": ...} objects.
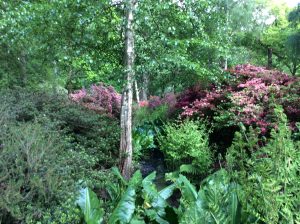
[
  {"x": 156, "y": 109},
  {"x": 268, "y": 173},
  {"x": 97, "y": 134},
  {"x": 73, "y": 144},
  {"x": 100, "y": 98},
  {"x": 247, "y": 98},
  {"x": 33, "y": 172},
  {"x": 186, "y": 143}
]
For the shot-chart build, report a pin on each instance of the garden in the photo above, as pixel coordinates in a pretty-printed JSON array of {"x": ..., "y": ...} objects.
[{"x": 158, "y": 112}]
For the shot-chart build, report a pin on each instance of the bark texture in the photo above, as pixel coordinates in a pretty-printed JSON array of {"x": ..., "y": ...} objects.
[{"x": 126, "y": 107}]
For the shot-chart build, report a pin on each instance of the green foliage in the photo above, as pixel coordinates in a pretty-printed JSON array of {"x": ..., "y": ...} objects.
[
  {"x": 66, "y": 144},
  {"x": 139, "y": 201},
  {"x": 144, "y": 114},
  {"x": 143, "y": 139},
  {"x": 155, "y": 202},
  {"x": 268, "y": 174},
  {"x": 186, "y": 143},
  {"x": 126, "y": 206},
  {"x": 66, "y": 212},
  {"x": 97, "y": 134},
  {"x": 216, "y": 201},
  {"x": 90, "y": 205},
  {"x": 33, "y": 172}
]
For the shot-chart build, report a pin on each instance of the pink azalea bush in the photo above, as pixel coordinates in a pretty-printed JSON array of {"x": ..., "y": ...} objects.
[
  {"x": 100, "y": 98},
  {"x": 248, "y": 97},
  {"x": 169, "y": 99}
]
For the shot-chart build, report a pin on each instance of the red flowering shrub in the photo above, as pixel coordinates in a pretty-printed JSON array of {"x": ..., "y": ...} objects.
[
  {"x": 100, "y": 98},
  {"x": 248, "y": 98}
]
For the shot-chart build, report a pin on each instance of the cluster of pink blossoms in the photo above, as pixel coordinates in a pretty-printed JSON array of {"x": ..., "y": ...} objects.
[
  {"x": 100, "y": 98},
  {"x": 249, "y": 99}
]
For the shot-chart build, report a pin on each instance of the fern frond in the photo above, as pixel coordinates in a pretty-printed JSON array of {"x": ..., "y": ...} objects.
[{"x": 189, "y": 169}]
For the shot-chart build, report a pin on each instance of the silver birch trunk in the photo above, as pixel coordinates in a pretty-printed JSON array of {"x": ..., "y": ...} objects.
[
  {"x": 126, "y": 107},
  {"x": 137, "y": 92},
  {"x": 144, "y": 89}
]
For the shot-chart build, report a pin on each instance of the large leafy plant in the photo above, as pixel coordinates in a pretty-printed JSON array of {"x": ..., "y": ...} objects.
[{"x": 217, "y": 201}]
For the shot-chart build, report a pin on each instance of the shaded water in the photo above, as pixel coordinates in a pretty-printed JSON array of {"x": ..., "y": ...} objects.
[{"x": 154, "y": 162}]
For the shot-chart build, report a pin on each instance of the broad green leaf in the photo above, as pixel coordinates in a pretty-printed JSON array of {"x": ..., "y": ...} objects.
[
  {"x": 126, "y": 206},
  {"x": 90, "y": 206}
]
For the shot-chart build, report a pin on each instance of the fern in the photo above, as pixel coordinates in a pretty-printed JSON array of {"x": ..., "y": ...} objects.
[
  {"x": 190, "y": 169},
  {"x": 270, "y": 175}
]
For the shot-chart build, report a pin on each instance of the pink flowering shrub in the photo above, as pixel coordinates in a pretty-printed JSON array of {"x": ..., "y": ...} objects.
[
  {"x": 169, "y": 100},
  {"x": 154, "y": 101},
  {"x": 144, "y": 103},
  {"x": 100, "y": 98},
  {"x": 249, "y": 98},
  {"x": 156, "y": 109}
]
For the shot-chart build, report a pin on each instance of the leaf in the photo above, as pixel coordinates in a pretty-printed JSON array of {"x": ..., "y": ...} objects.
[
  {"x": 167, "y": 191},
  {"x": 187, "y": 189},
  {"x": 235, "y": 207},
  {"x": 126, "y": 206},
  {"x": 90, "y": 206},
  {"x": 117, "y": 173},
  {"x": 189, "y": 168},
  {"x": 194, "y": 214}
]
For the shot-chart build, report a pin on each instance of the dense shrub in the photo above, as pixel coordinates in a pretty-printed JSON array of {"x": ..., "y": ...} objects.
[
  {"x": 97, "y": 134},
  {"x": 33, "y": 171},
  {"x": 248, "y": 97},
  {"x": 186, "y": 143},
  {"x": 87, "y": 143},
  {"x": 152, "y": 114},
  {"x": 268, "y": 173},
  {"x": 100, "y": 98}
]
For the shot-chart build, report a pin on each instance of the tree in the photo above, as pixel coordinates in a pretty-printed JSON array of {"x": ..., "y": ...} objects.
[
  {"x": 282, "y": 40},
  {"x": 126, "y": 107}
]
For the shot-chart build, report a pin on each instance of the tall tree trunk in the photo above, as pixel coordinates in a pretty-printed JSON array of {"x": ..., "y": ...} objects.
[
  {"x": 137, "y": 92},
  {"x": 23, "y": 68},
  {"x": 226, "y": 63},
  {"x": 126, "y": 107},
  {"x": 227, "y": 29},
  {"x": 270, "y": 58},
  {"x": 144, "y": 90}
]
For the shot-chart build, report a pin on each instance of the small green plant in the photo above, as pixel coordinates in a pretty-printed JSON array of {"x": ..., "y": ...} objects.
[
  {"x": 143, "y": 139},
  {"x": 186, "y": 143}
]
